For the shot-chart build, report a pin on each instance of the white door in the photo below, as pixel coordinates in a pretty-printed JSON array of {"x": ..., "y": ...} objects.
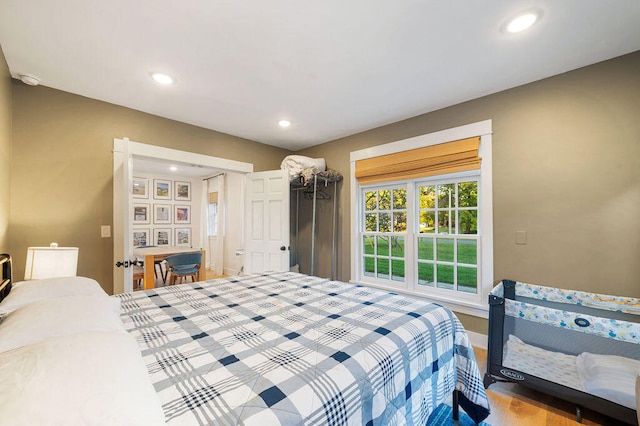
[
  {"x": 266, "y": 225},
  {"x": 122, "y": 181}
]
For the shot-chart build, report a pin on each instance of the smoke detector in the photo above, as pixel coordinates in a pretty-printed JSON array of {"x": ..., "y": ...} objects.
[{"x": 29, "y": 79}]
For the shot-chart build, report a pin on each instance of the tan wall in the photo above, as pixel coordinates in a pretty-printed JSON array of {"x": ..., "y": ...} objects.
[
  {"x": 62, "y": 169},
  {"x": 566, "y": 169},
  {"x": 5, "y": 150}
]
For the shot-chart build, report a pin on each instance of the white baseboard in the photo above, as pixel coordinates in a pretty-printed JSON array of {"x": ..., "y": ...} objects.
[{"x": 478, "y": 340}]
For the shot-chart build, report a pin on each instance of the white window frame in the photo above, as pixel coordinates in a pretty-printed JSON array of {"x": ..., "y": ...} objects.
[{"x": 474, "y": 304}]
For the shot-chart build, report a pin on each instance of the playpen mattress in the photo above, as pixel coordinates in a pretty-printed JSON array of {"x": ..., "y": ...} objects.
[{"x": 549, "y": 365}]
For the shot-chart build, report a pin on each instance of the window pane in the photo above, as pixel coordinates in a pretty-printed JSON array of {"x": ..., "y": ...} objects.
[
  {"x": 384, "y": 199},
  {"x": 397, "y": 247},
  {"x": 467, "y": 252},
  {"x": 444, "y": 251},
  {"x": 371, "y": 222},
  {"x": 383, "y": 268},
  {"x": 397, "y": 268},
  {"x": 369, "y": 266},
  {"x": 468, "y": 194},
  {"x": 385, "y": 222},
  {"x": 446, "y": 222},
  {"x": 383, "y": 246},
  {"x": 425, "y": 249},
  {"x": 468, "y": 222},
  {"x": 445, "y": 276},
  {"x": 399, "y": 222},
  {"x": 370, "y": 201},
  {"x": 427, "y": 222},
  {"x": 425, "y": 274},
  {"x": 427, "y": 197},
  {"x": 400, "y": 198},
  {"x": 369, "y": 244},
  {"x": 446, "y": 195},
  {"x": 467, "y": 279}
]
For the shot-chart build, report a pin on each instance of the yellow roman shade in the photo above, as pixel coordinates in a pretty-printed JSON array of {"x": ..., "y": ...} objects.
[
  {"x": 449, "y": 157},
  {"x": 213, "y": 197}
]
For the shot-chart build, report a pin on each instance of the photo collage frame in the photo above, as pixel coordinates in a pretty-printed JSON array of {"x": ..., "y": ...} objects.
[{"x": 165, "y": 203}]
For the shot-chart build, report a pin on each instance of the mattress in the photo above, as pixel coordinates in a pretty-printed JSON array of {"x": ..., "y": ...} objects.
[
  {"x": 286, "y": 348},
  {"x": 549, "y": 365}
]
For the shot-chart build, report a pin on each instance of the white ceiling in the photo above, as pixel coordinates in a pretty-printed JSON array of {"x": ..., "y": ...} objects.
[
  {"x": 159, "y": 167},
  {"x": 332, "y": 67}
]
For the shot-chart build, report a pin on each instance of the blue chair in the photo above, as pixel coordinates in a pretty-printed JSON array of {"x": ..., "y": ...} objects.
[{"x": 184, "y": 265}]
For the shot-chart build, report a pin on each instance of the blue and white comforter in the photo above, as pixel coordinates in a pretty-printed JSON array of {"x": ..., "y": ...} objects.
[{"x": 288, "y": 349}]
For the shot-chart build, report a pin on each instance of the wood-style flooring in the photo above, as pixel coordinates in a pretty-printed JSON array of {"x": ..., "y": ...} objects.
[{"x": 516, "y": 405}]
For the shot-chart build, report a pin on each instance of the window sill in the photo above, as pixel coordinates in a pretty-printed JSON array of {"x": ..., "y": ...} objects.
[{"x": 480, "y": 311}]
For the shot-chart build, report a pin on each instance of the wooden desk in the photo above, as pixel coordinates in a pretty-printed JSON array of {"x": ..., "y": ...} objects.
[{"x": 151, "y": 254}]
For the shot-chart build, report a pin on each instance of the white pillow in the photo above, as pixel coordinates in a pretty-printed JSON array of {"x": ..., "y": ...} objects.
[
  {"x": 609, "y": 376},
  {"x": 58, "y": 317},
  {"x": 90, "y": 378},
  {"x": 25, "y": 292}
]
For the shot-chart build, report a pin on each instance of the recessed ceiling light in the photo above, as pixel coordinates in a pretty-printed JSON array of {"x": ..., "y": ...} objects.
[
  {"x": 162, "y": 78},
  {"x": 522, "y": 22},
  {"x": 173, "y": 168},
  {"x": 284, "y": 123}
]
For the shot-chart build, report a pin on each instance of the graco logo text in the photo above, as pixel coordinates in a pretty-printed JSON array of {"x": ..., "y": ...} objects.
[{"x": 512, "y": 374}]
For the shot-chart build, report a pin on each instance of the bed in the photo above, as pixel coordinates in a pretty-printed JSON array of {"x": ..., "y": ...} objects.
[{"x": 277, "y": 348}]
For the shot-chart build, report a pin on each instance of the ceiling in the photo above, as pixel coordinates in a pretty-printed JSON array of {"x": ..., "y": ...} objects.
[
  {"x": 333, "y": 68},
  {"x": 158, "y": 167}
]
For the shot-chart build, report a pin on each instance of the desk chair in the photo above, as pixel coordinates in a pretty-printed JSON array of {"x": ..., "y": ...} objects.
[
  {"x": 138, "y": 277},
  {"x": 184, "y": 265},
  {"x": 157, "y": 265}
]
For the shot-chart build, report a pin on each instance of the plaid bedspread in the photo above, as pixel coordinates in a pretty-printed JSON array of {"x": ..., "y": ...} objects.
[{"x": 288, "y": 349}]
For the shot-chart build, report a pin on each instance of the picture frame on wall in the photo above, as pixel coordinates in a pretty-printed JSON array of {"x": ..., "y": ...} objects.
[
  {"x": 161, "y": 189},
  {"x": 162, "y": 236},
  {"x": 183, "y": 237},
  {"x": 182, "y": 214},
  {"x": 182, "y": 191},
  {"x": 161, "y": 214},
  {"x": 140, "y": 237},
  {"x": 141, "y": 214},
  {"x": 140, "y": 188}
]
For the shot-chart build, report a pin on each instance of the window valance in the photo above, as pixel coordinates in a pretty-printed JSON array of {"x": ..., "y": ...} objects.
[{"x": 449, "y": 157}]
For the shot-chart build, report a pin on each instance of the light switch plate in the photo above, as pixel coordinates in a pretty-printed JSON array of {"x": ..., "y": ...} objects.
[
  {"x": 105, "y": 231},
  {"x": 521, "y": 237}
]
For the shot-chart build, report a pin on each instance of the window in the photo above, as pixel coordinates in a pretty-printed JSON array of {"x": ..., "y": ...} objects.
[
  {"x": 447, "y": 240},
  {"x": 212, "y": 214},
  {"x": 426, "y": 235},
  {"x": 384, "y": 235}
]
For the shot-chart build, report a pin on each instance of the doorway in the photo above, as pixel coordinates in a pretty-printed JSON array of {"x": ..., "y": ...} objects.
[{"x": 126, "y": 154}]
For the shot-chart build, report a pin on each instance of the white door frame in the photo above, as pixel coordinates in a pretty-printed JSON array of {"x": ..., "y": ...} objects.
[{"x": 124, "y": 150}]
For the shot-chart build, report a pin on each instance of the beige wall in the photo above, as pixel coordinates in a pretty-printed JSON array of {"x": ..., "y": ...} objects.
[
  {"x": 62, "y": 168},
  {"x": 566, "y": 169},
  {"x": 5, "y": 150}
]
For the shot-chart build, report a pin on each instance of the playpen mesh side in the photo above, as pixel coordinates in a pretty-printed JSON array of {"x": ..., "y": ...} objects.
[{"x": 568, "y": 341}]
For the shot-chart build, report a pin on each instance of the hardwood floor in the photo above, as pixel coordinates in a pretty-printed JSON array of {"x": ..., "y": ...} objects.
[
  {"x": 211, "y": 275},
  {"x": 516, "y": 405}
]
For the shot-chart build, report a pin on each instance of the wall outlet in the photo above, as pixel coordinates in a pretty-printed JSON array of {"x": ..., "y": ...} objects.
[{"x": 105, "y": 231}]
